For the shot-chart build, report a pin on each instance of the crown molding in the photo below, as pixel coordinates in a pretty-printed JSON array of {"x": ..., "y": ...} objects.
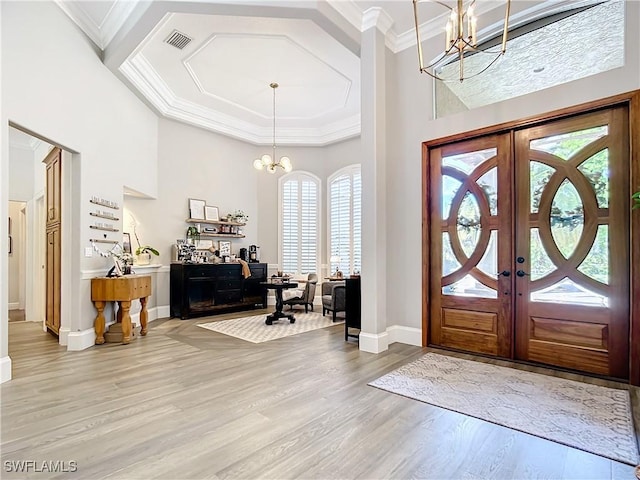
[
  {"x": 349, "y": 10},
  {"x": 117, "y": 16},
  {"x": 101, "y": 34},
  {"x": 376, "y": 17},
  {"x": 144, "y": 77},
  {"x": 147, "y": 80},
  {"x": 82, "y": 20}
]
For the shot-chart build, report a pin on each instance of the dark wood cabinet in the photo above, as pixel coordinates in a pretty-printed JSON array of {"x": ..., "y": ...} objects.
[
  {"x": 207, "y": 289},
  {"x": 352, "y": 306}
]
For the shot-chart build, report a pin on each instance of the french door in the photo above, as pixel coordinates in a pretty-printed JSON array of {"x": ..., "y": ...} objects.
[{"x": 529, "y": 244}]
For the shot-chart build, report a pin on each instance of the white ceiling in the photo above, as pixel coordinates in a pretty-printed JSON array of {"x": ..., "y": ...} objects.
[{"x": 220, "y": 80}]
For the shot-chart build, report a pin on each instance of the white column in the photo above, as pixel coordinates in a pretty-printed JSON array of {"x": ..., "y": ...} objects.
[{"x": 373, "y": 335}]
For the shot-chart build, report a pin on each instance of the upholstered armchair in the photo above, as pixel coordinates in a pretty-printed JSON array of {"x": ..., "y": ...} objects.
[
  {"x": 333, "y": 298},
  {"x": 303, "y": 296}
]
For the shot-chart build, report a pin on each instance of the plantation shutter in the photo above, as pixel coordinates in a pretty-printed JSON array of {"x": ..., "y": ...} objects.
[
  {"x": 356, "y": 221},
  {"x": 300, "y": 224},
  {"x": 345, "y": 191}
]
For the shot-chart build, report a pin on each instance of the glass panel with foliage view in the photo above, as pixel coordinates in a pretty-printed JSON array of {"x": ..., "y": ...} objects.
[
  {"x": 466, "y": 214},
  {"x": 550, "y": 51},
  {"x": 567, "y": 216}
]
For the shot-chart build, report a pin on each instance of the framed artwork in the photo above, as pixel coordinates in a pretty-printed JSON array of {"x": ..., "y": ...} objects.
[
  {"x": 126, "y": 243},
  {"x": 211, "y": 213},
  {"x": 224, "y": 247},
  {"x": 196, "y": 208},
  {"x": 204, "y": 244}
]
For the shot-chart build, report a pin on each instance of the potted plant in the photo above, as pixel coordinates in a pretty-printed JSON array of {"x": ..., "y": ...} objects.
[
  {"x": 636, "y": 200},
  {"x": 143, "y": 254},
  {"x": 193, "y": 234},
  {"x": 238, "y": 216}
]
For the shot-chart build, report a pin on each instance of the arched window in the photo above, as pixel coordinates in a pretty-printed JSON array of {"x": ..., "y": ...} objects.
[
  {"x": 299, "y": 222},
  {"x": 345, "y": 227}
]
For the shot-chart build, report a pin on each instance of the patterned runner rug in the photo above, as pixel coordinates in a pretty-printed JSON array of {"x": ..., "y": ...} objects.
[
  {"x": 588, "y": 417},
  {"x": 253, "y": 329}
]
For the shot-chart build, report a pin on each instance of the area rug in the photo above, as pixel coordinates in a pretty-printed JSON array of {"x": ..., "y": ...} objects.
[
  {"x": 588, "y": 417},
  {"x": 253, "y": 329}
]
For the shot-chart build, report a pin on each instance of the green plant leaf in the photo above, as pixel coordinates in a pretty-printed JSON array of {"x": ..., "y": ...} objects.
[
  {"x": 147, "y": 249},
  {"x": 636, "y": 200}
]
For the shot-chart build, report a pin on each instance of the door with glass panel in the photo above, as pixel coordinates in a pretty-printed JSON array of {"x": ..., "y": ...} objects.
[
  {"x": 471, "y": 246},
  {"x": 572, "y": 251},
  {"x": 529, "y": 244}
]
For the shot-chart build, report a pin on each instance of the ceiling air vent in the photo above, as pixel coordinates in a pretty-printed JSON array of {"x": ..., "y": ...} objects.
[{"x": 178, "y": 40}]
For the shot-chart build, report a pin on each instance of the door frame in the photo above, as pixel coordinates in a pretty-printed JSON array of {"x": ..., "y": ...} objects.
[{"x": 632, "y": 100}]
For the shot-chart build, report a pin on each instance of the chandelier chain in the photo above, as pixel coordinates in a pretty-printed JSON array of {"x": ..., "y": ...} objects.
[{"x": 267, "y": 161}]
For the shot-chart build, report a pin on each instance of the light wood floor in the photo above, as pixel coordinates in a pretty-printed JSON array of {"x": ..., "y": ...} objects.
[
  {"x": 188, "y": 403},
  {"x": 16, "y": 315}
]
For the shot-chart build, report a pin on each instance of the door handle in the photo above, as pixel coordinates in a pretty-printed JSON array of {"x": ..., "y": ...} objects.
[
  {"x": 505, "y": 273},
  {"x": 521, "y": 273}
]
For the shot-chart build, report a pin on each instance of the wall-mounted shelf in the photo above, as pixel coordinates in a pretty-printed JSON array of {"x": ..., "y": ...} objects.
[
  {"x": 230, "y": 228},
  {"x": 215, "y": 222},
  {"x": 100, "y": 240},
  {"x": 105, "y": 203},
  {"x": 93, "y": 214},
  {"x": 228, "y": 235},
  {"x": 106, "y": 229}
]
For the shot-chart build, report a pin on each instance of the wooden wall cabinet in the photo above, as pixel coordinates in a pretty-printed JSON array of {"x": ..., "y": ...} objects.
[
  {"x": 206, "y": 289},
  {"x": 53, "y": 163}
]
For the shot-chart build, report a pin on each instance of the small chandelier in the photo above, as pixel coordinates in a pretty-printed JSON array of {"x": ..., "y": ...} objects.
[
  {"x": 461, "y": 39},
  {"x": 269, "y": 161}
]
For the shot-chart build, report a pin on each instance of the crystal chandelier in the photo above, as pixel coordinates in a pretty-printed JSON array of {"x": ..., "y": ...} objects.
[
  {"x": 269, "y": 161},
  {"x": 461, "y": 39}
]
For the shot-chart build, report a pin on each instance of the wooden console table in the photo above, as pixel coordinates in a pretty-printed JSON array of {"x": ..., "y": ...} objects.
[{"x": 121, "y": 290}]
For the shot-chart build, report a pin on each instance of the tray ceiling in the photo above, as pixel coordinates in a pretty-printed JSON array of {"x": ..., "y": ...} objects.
[{"x": 220, "y": 80}]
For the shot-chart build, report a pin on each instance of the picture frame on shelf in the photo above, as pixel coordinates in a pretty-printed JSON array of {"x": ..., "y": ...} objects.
[
  {"x": 204, "y": 244},
  {"x": 224, "y": 246},
  {"x": 211, "y": 213},
  {"x": 126, "y": 243},
  {"x": 196, "y": 208}
]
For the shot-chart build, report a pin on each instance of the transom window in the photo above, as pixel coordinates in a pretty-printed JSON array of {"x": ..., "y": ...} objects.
[{"x": 550, "y": 51}]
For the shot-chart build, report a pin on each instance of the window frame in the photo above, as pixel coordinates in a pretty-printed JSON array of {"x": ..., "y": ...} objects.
[
  {"x": 348, "y": 170},
  {"x": 299, "y": 175}
]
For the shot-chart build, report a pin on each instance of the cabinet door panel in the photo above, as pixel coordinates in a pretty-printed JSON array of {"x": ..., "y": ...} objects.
[{"x": 53, "y": 280}]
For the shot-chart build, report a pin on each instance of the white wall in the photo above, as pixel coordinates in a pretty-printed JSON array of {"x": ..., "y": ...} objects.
[
  {"x": 410, "y": 122},
  {"x": 194, "y": 163},
  {"x": 21, "y": 170},
  {"x": 54, "y": 84}
]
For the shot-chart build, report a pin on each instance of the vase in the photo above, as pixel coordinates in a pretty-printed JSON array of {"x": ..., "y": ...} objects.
[{"x": 143, "y": 259}]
